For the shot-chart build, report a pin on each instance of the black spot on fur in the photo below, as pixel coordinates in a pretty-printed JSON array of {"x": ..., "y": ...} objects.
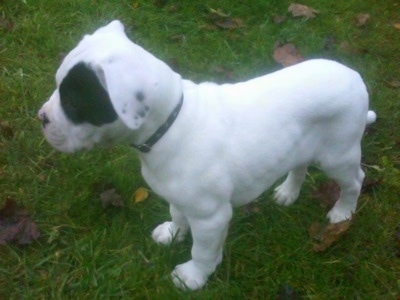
[
  {"x": 83, "y": 98},
  {"x": 140, "y": 96}
]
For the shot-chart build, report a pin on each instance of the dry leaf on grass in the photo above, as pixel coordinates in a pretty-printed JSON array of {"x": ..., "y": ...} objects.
[
  {"x": 327, "y": 194},
  {"x": 325, "y": 235},
  {"x": 111, "y": 198},
  {"x": 16, "y": 225},
  {"x": 141, "y": 194},
  {"x": 362, "y": 19},
  {"x": 219, "y": 19},
  {"x": 300, "y": 10},
  {"x": 287, "y": 55},
  {"x": 396, "y": 25}
]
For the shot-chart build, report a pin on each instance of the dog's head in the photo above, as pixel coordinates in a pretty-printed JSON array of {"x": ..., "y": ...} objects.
[{"x": 106, "y": 88}]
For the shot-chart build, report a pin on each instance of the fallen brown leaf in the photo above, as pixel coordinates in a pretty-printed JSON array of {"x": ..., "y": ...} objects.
[
  {"x": 300, "y": 10},
  {"x": 362, "y": 19},
  {"x": 220, "y": 19},
  {"x": 327, "y": 194},
  {"x": 396, "y": 25},
  {"x": 325, "y": 235},
  {"x": 287, "y": 55},
  {"x": 111, "y": 198},
  {"x": 141, "y": 194},
  {"x": 16, "y": 225}
]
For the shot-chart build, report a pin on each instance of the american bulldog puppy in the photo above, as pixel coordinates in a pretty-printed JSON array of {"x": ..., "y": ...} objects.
[{"x": 206, "y": 148}]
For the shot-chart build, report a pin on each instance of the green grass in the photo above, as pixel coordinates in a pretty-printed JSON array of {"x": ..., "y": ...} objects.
[{"x": 88, "y": 252}]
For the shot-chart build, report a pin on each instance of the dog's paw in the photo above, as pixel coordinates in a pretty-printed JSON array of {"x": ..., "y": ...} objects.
[
  {"x": 188, "y": 276},
  {"x": 165, "y": 233},
  {"x": 337, "y": 214},
  {"x": 285, "y": 195}
]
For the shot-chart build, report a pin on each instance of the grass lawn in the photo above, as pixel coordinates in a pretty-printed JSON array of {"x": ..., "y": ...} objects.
[{"x": 89, "y": 252}]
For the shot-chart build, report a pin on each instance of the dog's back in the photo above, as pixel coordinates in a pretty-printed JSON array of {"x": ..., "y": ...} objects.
[{"x": 314, "y": 112}]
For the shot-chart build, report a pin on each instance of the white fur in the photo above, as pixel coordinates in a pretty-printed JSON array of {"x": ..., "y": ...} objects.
[{"x": 229, "y": 143}]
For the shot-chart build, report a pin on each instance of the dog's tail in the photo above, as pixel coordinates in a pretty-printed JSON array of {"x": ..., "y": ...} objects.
[{"x": 371, "y": 117}]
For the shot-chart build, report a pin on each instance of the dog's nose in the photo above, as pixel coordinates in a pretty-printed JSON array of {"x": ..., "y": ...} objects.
[{"x": 43, "y": 117}]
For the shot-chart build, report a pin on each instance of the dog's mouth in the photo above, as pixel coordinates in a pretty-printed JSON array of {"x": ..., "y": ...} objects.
[
  {"x": 56, "y": 138},
  {"x": 54, "y": 135}
]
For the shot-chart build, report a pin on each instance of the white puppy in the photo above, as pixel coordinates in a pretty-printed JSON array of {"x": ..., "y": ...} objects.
[{"x": 207, "y": 148}]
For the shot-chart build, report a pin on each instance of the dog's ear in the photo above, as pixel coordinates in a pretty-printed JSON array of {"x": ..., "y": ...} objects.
[
  {"x": 84, "y": 98},
  {"x": 126, "y": 88},
  {"x": 114, "y": 26}
]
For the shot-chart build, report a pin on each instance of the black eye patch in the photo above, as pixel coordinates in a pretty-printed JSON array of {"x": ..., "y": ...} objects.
[{"x": 84, "y": 99}]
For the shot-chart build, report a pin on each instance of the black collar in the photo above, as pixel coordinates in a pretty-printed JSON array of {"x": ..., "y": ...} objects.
[{"x": 146, "y": 146}]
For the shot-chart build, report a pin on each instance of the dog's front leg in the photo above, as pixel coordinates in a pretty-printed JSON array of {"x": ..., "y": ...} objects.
[
  {"x": 168, "y": 231},
  {"x": 209, "y": 233}
]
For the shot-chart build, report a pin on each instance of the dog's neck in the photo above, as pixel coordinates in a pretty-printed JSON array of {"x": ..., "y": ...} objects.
[
  {"x": 146, "y": 146},
  {"x": 162, "y": 111}
]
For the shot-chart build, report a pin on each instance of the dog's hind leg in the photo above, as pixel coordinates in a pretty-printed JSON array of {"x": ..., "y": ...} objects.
[
  {"x": 349, "y": 175},
  {"x": 350, "y": 187},
  {"x": 289, "y": 190},
  {"x": 168, "y": 231}
]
